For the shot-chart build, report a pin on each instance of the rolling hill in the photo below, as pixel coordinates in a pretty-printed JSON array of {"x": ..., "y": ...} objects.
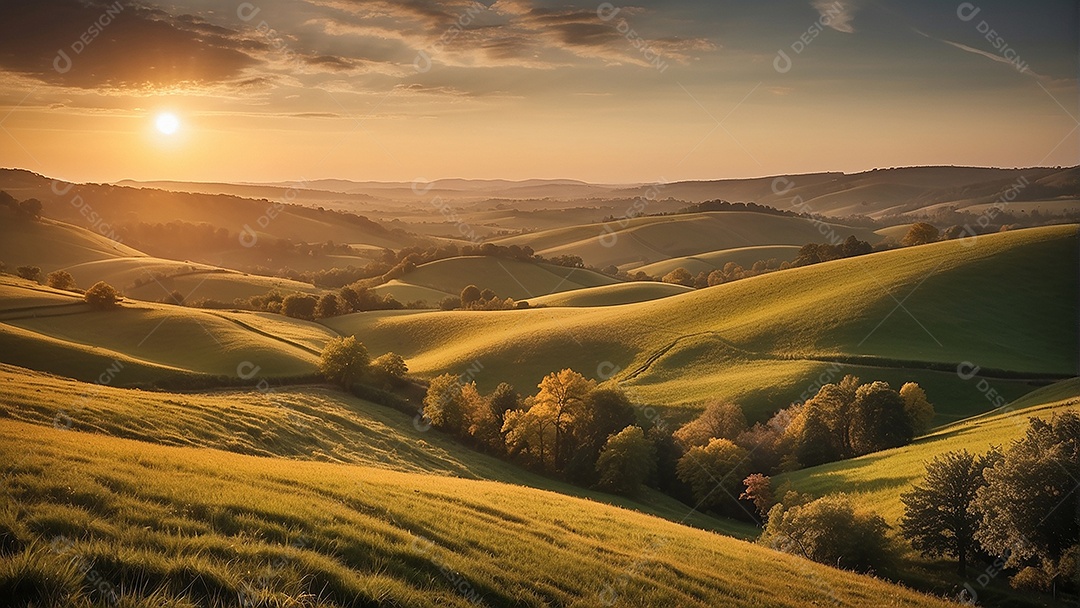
[
  {"x": 648, "y": 239},
  {"x": 161, "y": 523},
  {"x": 507, "y": 278},
  {"x": 714, "y": 260},
  {"x": 612, "y": 295},
  {"x": 765, "y": 340}
]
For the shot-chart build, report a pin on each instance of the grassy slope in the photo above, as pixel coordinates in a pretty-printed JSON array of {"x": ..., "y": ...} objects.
[
  {"x": 90, "y": 257},
  {"x": 507, "y": 278},
  {"x": 215, "y": 524},
  {"x": 655, "y": 238},
  {"x": 156, "y": 340},
  {"x": 612, "y": 295},
  {"x": 1006, "y": 302},
  {"x": 877, "y": 480},
  {"x": 713, "y": 260}
]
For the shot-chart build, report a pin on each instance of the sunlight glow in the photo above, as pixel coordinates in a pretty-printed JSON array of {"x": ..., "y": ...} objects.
[{"x": 167, "y": 123}]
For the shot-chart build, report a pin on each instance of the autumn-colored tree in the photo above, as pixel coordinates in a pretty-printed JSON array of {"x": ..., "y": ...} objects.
[
  {"x": 561, "y": 400},
  {"x": 919, "y": 409},
  {"x": 759, "y": 491},
  {"x": 720, "y": 419},
  {"x": 530, "y": 435},
  {"x": 679, "y": 276}
]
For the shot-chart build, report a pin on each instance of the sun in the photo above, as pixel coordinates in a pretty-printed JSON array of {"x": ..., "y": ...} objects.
[{"x": 167, "y": 123}]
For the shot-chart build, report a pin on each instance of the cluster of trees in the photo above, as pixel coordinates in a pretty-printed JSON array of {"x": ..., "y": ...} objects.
[
  {"x": 811, "y": 253},
  {"x": 348, "y": 299},
  {"x": 815, "y": 253},
  {"x": 29, "y": 209},
  {"x": 346, "y": 362},
  {"x": 570, "y": 428},
  {"x": 473, "y": 298},
  {"x": 1018, "y": 506}
]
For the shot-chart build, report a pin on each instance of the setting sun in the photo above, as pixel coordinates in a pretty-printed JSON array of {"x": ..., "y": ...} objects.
[{"x": 167, "y": 123}]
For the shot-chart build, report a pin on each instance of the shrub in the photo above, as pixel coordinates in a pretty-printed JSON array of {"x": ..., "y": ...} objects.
[
  {"x": 102, "y": 296},
  {"x": 830, "y": 531}
]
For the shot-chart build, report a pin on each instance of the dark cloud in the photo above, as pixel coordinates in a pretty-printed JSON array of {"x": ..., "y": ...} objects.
[{"x": 118, "y": 45}]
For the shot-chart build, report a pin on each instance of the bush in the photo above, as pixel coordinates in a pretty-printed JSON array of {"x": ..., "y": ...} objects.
[
  {"x": 344, "y": 361},
  {"x": 60, "y": 279},
  {"x": 830, "y": 531},
  {"x": 102, "y": 296},
  {"x": 30, "y": 273}
]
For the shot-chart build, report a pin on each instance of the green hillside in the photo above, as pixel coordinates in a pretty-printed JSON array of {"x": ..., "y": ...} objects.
[
  {"x": 214, "y": 526},
  {"x": 713, "y": 260},
  {"x": 612, "y": 295},
  {"x": 507, "y": 278},
  {"x": 649, "y": 239},
  {"x": 1008, "y": 300}
]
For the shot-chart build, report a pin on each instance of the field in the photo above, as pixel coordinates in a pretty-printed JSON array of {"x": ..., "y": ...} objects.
[
  {"x": 213, "y": 526},
  {"x": 612, "y": 295},
  {"x": 763, "y": 341},
  {"x": 713, "y": 260},
  {"x": 645, "y": 240},
  {"x": 507, "y": 278}
]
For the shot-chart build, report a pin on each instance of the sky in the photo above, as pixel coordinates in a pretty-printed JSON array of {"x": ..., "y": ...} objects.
[{"x": 292, "y": 90}]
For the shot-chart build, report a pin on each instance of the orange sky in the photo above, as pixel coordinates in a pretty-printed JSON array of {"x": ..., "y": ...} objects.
[{"x": 521, "y": 89}]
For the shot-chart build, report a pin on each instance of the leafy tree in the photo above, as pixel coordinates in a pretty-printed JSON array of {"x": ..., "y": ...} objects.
[
  {"x": 562, "y": 401},
  {"x": 328, "y": 306},
  {"x": 815, "y": 442},
  {"x": 530, "y": 436},
  {"x": 626, "y": 461},
  {"x": 344, "y": 361},
  {"x": 939, "y": 517},
  {"x": 101, "y": 296},
  {"x": 920, "y": 233},
  {"x": 919, "y": 409},
  {"x": 830, "y": 531},
  {"x": 878, "y": 419},
  {"x": 482, "y": 425},
  {"x": 504, "y": 398},
  {"x": 60, "y": 279},
  {"x": 487, "y": 294},
  {"x": 720, "y": 419},
  {"x": 759, "y": 491},
  {"x": 449, "y": 303},
  {"x": 607, "y": 411},
  {"x": 1029, "y": 504},
  {"x": 470, "y": 295},
  {"x": 391, "y": 367},
  {"x": 715, "y": 473},
  {"x": 444, "y": 406},
  {"x": 30, "y": 273},
  {"x": 679, "y": 276},
  {"x": 299, "y": 306}
]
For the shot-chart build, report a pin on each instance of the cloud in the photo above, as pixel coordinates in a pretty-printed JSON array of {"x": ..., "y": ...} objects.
[
  {"x": 95, "y": 44},
  {"x": 1017, "y": 64},
  {"x": 837, "y": 14}
]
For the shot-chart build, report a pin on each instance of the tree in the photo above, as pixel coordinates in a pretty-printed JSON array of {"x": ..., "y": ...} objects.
[
  {"x": 60, "y": 279},
  {"x": 529, "y": 435},
  {"x": 939, "y": 517},
  {"x": 444, "y": 406},
  {"x": 715, "y": 473},
  {"x": 920, "y": 233},
  {"x": 31, "y": 208},
  {"x": 391, "y": 367},
  {"x": 607, "y": 411},
  {"x": 759, "y": 491},
  {"x": 1029, "y": 504},
  {"x": 469, "y": 296},
  {"x": 328, "y": 306},
  {"x": 481, "y": 423},
  {"x": 562, "y": 401},
  {"x": 919, "y": 410},
  {"x": 878, "y": 419},
  {"x": 626, "y": 461},
  {"x": 30, "y": 273},
  {"x": 679, "y": 276},
  {"x": 503, "y": 399},
  {"x": 101, "y": 296},
  {"x": 830, "y": 531},
  {"x": 720, "y": 419},
  {"x": 344, "y": 361},
  {"x": 299, "y": 306}
]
